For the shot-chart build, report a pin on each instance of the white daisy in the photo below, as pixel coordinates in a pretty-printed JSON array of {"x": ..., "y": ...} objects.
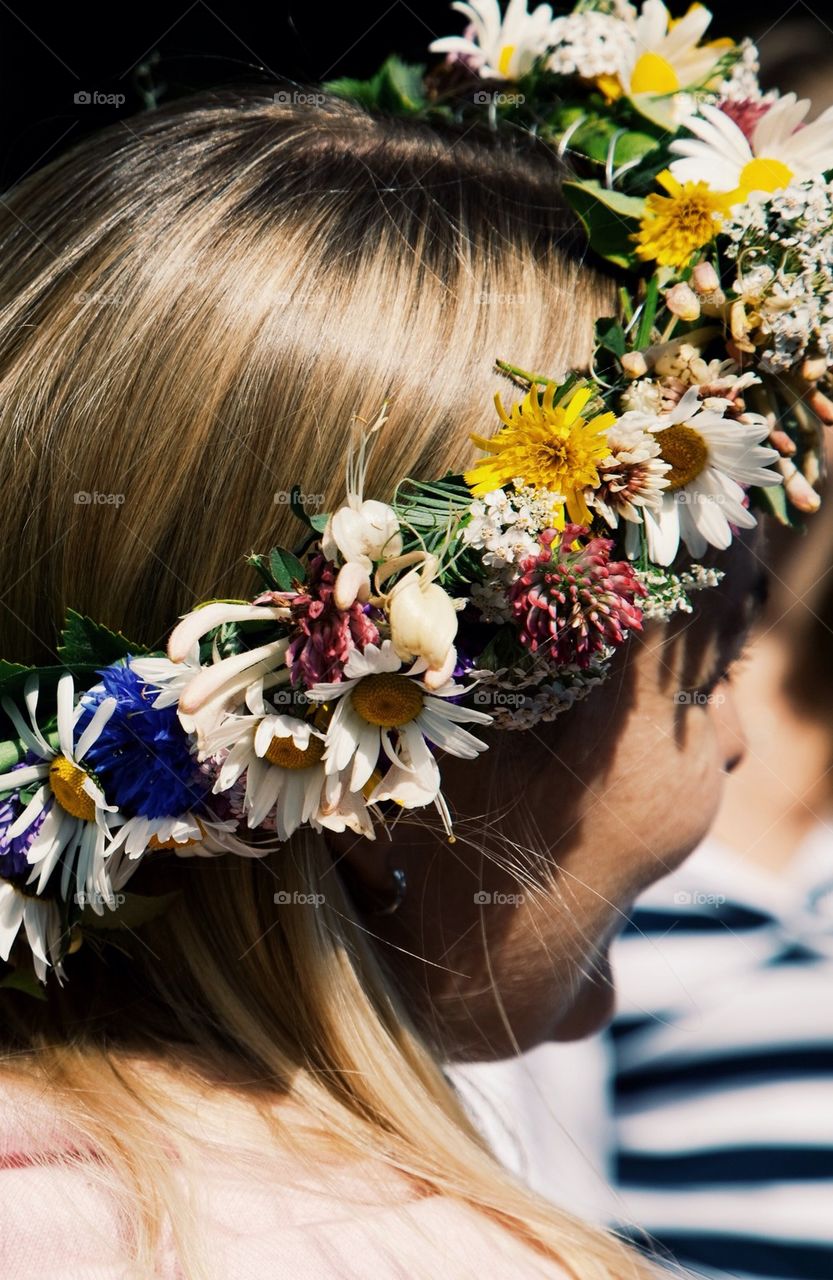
[
  {"x": 666, "y": 56},
  {"x": 41, "y": 921},
  {"x": 281, "y": 756},
  {"x": 70, "y": 817},
  {"x": 187, "y": 835},
  {"x": 781, "y": 150},
  {"x": 710, "y": 457},
  {"x": 379, "y": 709},
  {"x": 499, "y": 46}
]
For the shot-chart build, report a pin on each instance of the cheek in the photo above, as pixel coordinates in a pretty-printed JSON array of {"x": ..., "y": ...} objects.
[{"x": 654, "y": 805}]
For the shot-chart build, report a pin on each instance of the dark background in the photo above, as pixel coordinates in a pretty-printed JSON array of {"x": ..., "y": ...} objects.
[{"x": 49, "y": 55}]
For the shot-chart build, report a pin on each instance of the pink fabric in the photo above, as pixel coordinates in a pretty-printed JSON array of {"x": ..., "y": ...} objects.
[{"x": 61, "y": 1223}]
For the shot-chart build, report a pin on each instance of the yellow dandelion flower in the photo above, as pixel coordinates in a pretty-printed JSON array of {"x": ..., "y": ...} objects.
[
  {"x": 547, "y": 446},
  {"x": 676, "y": 225}
]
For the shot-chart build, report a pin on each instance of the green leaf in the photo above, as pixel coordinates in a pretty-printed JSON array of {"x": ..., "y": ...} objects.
[
  {"x": 611, "y": 336},
  {"x": 286, "y": 568},
  {"x": 24, "y": 980},
  {"x": 85, "y": 643},
  {"x": 609, "y": 217},
  {"x": 773, "y": 501},
  {"x": 280, "y": 570},
  {"x": 503, "y": 650},
  {"x": 397, "y": 88},
  {"x": 649, "y": 314},
  {"x": 318, "y": 522}
]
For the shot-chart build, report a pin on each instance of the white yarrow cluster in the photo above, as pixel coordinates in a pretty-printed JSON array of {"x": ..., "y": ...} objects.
[
  {"x": 669, "y": 593},
  {"x": 504, "y": 527},
  {"x": 741, "y": 84},
  {"x": 784, "y": 249},
  {"x": 589, "y": 45}
]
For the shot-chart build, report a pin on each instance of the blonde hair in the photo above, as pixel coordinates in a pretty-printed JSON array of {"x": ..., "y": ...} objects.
[{"x": 195, "y": 304}]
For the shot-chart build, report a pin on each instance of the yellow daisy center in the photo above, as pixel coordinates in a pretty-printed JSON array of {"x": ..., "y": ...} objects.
[
  {"x": 654, "y": 74},
  {"x": 676, "y": 225},
  {"x": 505, "y": 60},
  {"x": 684, "y": 449},
  {"x": 155, "y": 843},
  {"x": 284, "y": 753},
  {"x": 765, "y": 174},
  {"x": 67, "y": 782},
  {"x": 388, "y": 700}
]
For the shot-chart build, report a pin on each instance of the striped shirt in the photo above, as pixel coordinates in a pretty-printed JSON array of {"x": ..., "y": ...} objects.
[{"x": 722, "y": 1065}]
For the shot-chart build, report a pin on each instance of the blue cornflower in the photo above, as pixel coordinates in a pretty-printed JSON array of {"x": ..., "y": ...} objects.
[{"x": 142, "y": 756}]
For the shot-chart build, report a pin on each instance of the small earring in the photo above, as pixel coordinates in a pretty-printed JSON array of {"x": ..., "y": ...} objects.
[{"x": 400, "y": 888}]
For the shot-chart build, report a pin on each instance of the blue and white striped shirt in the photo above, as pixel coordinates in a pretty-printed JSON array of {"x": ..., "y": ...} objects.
[{"x": 722, "y": 1065}]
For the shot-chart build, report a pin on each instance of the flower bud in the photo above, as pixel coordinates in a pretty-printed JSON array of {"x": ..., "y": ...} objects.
[
  {"x": 423, "y": 621},
  {"x": 814, "y": 368},
  {"x": 634, "y": 364},
  {"x": 682, "y": 301},
  {"x": 704, "y": 278}
]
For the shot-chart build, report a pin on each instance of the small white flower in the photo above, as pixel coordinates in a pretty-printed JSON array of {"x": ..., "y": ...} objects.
[
  {"x": 499, "y": 46},
  {"x": 590, "y": 44}
]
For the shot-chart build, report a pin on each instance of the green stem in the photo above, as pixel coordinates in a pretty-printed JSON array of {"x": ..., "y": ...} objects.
[
  {"x": 13, "y": 751},
  {"x": 669, "y": 329},
  {"x": 514, "y": 372}
]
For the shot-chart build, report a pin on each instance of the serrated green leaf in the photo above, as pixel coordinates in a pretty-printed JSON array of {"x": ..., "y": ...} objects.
[
  {"x": 609, "y": 217},
  {"x": 89, "y": 644}
]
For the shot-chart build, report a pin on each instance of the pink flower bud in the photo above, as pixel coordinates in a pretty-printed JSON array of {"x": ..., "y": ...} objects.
[{"x": 682, "y": 301}]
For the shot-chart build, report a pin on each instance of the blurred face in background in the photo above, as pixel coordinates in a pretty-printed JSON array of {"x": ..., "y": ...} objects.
[{"x": 502, "y": 937}]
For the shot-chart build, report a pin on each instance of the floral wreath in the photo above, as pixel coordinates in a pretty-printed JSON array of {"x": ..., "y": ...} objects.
[{"x": 398, "y": 630}]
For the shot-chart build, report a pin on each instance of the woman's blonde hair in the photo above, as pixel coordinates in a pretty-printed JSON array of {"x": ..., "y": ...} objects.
[{"x": 195, "y": 303}]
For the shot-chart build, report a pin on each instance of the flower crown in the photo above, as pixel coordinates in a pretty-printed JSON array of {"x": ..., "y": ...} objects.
[{"x": 398, "y": 630}]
